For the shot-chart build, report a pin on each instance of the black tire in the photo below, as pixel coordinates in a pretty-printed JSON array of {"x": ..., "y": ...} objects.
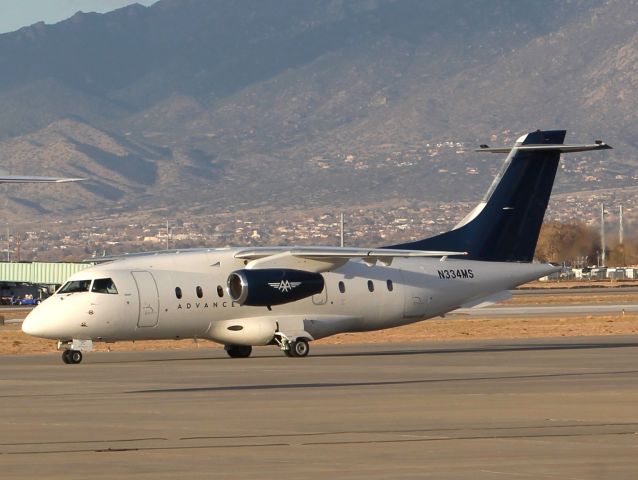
[
  {"x": 288, "y": 352},
  {"x": 238, "y": 351},
  {"x": 65, "y": 357},
  {"x": 300, "y": 348},
  {"x": 75, "y": 356}
]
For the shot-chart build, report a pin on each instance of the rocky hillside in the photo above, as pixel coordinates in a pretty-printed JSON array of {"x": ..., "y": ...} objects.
[{"x": 300, "y": 104}]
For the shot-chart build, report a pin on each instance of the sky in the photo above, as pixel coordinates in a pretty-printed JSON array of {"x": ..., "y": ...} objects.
[{"x": 15, "y": 14}]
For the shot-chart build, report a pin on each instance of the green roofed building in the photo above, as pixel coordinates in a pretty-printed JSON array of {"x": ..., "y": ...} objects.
[{"x": 40, "y": 273}]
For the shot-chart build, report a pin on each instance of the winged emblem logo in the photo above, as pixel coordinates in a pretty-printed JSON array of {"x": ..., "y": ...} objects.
[{"x": 284, "y": 286}]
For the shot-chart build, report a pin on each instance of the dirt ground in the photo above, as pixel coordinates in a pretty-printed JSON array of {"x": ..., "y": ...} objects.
[{"x": 452, "y": 327}]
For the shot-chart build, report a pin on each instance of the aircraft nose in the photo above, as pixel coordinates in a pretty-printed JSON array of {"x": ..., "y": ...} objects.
[
  {"x": 36, "y": 325},
  {"x": 30, "y": 325}
]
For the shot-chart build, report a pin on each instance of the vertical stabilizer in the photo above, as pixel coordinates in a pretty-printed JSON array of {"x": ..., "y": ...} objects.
[{"x": 505, "y": 225}]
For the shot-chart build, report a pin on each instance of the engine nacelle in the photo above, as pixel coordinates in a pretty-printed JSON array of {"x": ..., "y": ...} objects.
[
  {"x": 244, "y": 331},
  {"x": 272, "y": 286}
]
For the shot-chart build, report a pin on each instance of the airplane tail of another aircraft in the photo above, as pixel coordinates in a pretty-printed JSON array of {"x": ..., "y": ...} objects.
[{"x": 506, "y": 224}]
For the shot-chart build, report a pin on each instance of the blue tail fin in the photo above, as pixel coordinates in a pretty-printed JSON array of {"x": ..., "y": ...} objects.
[{"x": 506, "y": 224}]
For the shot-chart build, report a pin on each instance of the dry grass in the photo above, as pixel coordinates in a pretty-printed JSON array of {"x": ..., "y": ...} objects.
[{"x": 575, "y": 299}]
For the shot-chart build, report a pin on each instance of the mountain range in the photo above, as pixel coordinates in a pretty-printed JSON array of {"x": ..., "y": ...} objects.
[{"x": 238, "y": 104}]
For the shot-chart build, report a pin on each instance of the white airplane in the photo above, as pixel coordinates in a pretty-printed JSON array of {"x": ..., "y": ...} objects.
[
  {"x": 27, "y": 179},
  {"x": 289, "y": 296}
]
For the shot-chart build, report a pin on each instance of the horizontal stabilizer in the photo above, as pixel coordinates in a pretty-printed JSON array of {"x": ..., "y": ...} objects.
[{"x": 555, "y": 148}]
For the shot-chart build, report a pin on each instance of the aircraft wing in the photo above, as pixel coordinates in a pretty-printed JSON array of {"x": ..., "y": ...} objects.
[
  {"x": 324, "y": 259},
  {"x": 27, "y": 179}
]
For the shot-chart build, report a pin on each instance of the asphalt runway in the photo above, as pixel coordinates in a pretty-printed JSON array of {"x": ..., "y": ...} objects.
[{"x": 542, "y": 409}]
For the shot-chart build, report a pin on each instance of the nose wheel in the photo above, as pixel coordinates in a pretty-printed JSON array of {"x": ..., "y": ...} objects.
[
  {"x": 72, "y": 349},
  {"x": 72, "y": 356}
]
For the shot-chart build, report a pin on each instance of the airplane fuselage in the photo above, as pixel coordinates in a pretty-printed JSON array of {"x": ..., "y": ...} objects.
[{"x": 184, "y": 295}]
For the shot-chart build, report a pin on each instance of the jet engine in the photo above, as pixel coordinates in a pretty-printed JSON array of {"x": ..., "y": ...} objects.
[{"x": 272, "y": 286}]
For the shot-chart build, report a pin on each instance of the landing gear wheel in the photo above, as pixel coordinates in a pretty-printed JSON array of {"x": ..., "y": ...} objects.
[
  {"x": 238, "y": 351},
  {"x": 72, "y": 356},
  {"x": 288, "y": 353},
  {"x": 75, "y": 356},
  {"x": 300, "y": 348}
]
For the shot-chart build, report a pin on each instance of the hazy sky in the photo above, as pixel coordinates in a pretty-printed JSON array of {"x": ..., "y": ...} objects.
[{"x": 15, "y": 14}]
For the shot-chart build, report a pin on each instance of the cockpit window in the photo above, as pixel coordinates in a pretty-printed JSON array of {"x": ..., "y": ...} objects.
[
  {"x": 75, "y": 286},
  {"x": 104, "y": 285}
]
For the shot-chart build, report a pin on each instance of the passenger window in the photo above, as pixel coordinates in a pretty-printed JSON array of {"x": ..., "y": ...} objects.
[
  {"x": 342, "y": 287},
  {"x": 390, "y": 286},
  {"x": 75, "y": 286},
  {"x": 199, "y": 292},
  {"x": 370, "y": 286},
  {"x": 220, "y": 291},
  {"x": 104, "y": 285},
  {"x": 178, "y": 292}
]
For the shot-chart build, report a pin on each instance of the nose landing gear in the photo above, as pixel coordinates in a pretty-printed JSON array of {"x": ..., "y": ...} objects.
[{"x": 72, "y": 350}]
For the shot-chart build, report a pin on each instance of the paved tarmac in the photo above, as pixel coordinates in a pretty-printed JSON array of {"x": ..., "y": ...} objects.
[{"x": 541, "y": 409}]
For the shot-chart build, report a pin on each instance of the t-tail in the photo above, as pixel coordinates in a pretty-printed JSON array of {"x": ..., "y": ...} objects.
[{"x": 505, "y": 225}]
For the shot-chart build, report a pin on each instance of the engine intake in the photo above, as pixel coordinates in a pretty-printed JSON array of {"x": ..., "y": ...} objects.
[{"x": 272, "y": 286}]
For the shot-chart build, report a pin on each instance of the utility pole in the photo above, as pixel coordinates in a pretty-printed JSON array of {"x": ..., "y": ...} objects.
[
  {"x": 341, "y": 243},
  {"x": 8, "y": 246},
  {"x": 602, "y": 233},
  {"x": 167, "y": 234},
  {"x": 621, "y": 235},
  {"x": 621, "y": 228}
]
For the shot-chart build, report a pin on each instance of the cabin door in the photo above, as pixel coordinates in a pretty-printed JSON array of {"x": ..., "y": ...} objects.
[{"x": 148, "y": 299}]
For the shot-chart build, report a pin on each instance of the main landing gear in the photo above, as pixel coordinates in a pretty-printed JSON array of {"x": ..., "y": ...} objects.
[
  {"x": 72, "y": 356},
  {"x": 238, "y": 351},
  {"x": 292, "y": 348},
  {"x": 300, "y": 348}
]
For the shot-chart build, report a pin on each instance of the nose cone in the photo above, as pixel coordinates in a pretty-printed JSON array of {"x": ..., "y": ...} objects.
[
  {"x": 38, "y": 323},
  {"x": 32, "y": 325}
]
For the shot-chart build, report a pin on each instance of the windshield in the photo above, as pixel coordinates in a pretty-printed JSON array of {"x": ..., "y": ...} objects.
[
  {"x": 75, "y": 286},
  {"x": 104, "y": 285}
]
